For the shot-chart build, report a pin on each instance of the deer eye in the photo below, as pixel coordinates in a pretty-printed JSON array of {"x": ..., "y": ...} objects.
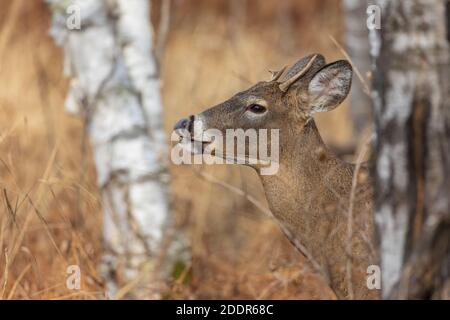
[{"x": 256, "y": 108}]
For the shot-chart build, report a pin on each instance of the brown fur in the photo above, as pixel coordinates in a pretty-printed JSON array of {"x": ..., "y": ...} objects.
[{"x": 310, "y": 198}]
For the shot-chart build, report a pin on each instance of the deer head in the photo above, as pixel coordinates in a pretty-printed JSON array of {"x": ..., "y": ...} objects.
[{"x": 287, "y": 102}]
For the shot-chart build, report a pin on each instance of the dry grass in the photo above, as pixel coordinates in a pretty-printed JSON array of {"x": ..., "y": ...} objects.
[{"x": 50, "y": 214}]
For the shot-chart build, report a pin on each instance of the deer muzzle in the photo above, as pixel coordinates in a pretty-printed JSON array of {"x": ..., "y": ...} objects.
[{"x": 192, "y": 129}]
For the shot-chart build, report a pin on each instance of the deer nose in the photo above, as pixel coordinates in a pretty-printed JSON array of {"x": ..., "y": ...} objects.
[
  {"x": 181, "y": 124},
  {"x": 184, "y": 124}
]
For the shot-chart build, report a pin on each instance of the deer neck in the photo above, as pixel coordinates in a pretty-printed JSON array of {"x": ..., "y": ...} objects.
[
  {"x": 307, "y": 169},
  {"x": 309, "y": 197},
  {"x": 304, "y": 194}
]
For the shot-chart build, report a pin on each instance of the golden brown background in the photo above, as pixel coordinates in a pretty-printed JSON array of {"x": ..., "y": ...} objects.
[{"x": 50, "y": 214}]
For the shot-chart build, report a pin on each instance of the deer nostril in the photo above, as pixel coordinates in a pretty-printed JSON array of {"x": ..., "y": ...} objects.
[{"x": 182, "y": 124}]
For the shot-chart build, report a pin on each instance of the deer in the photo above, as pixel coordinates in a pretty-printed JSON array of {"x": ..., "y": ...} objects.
[{"x": 313, "y": 191}]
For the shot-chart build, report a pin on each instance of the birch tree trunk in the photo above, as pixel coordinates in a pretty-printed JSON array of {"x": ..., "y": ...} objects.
[
  {"x": 412, "y": 118},
  {"x": 357, "y": 43},
  {"x": 115, "y": 84}
]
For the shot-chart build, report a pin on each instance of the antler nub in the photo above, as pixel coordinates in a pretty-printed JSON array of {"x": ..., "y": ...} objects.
[
  {"x": 277, "y": 74},
  {"x": 286, "y": 84}
]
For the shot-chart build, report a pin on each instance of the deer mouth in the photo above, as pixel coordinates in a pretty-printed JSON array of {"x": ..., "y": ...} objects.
[{"x": 191, "y": 144}]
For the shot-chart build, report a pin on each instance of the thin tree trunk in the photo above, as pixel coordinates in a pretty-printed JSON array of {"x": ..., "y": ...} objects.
[
  {"x": 115, "y": 85},
  {"x": 357, "y": 43},
  {"x": 412, "y": 118}
]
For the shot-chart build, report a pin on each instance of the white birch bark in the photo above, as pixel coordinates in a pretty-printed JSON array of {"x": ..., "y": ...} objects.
[
  {"x": 114, "y": 82},
  {"x": 412, "y": 116}
]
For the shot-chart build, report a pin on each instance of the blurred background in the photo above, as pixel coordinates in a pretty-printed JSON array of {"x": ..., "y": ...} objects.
[{"x": 51, "y": 213}]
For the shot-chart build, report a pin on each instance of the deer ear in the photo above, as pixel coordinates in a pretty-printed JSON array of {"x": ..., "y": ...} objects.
[{"x": 330, "y": 86}]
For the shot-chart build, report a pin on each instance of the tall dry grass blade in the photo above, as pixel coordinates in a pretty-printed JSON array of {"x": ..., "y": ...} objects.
[
  {"x": 10, "y": 210},
  {"x": 19, "y": 239},
  {"x": 16, "y": 283},
  {"x": 363, "y": 81},
  {"x": 47, "y": 229},
  {"x": 2, "y": 233},
  {"x": 5, "y": 280}
]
